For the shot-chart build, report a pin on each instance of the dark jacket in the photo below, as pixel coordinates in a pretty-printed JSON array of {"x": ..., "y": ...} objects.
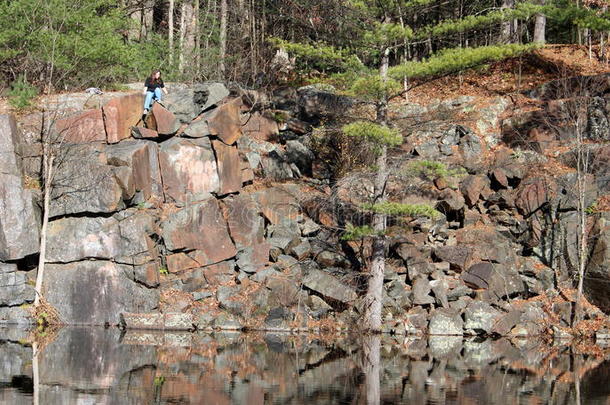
[{"x": 152, "y": 85}]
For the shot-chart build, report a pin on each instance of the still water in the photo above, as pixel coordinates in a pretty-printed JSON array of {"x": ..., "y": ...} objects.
[{"x": 105, "y": 366}]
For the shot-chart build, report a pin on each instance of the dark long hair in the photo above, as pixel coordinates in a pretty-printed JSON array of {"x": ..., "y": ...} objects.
[{"x": 152, "y": 76}]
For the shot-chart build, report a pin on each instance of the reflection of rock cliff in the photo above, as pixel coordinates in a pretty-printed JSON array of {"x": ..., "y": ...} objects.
[
  {"x": 97, "y": 365},
  {"x": 219, "y": 209}
]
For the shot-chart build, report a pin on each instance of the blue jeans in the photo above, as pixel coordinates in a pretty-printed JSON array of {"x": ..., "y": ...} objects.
[{"x": 149, "y": 97}]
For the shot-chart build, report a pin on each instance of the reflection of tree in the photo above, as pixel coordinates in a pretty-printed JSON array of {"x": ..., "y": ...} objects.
[
  {"x": 35, "y": 373},
  {"x": 371, "y": 345},
  {"x": 39, "y": 342}
]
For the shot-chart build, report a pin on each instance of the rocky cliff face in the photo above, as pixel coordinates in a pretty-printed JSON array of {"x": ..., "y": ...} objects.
[{"x": 223, "y": 209}]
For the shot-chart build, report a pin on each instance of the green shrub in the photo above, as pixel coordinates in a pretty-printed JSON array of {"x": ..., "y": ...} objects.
[
  {"x": 280, "y": 117},
  {"x": 357, "y": 232},
  {"x": 374, "y": 87},
  {"x": 432, "y": 170},
  {"x": 22, "y": 94},
  {"x": 410, "y": 210},
  {"x": 591, "y": 209},
  {"x": 372, "y": 132}
]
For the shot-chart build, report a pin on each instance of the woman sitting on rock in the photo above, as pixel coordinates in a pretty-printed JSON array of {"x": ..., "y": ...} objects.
[{"x": 152, "y": 89}]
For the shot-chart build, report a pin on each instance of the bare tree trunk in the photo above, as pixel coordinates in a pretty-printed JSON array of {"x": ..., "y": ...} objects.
[
  {"x": 188, "y": 34},
  {"x": 578, "y": 30},
  {"x": 222, "y": 68},
  {"x": 602, "y": 46},
  {"x": 508, "y": 27},
  {"x": 251, "y": 28},
  {"x": 207, "y": 17},
  {"x": 383, "y": 69},
  {"x": 147, "y": 18},
  {"x": 374, "y": 294},
  {"x": 263, "y": 27},
  {"x": 48, "y": 176},
  {"x": 540, "y": 27},
  {"x": 197, "y": 39},
  {"x": 253, "y": 39},
  {"x": 577, "y": 389},
  {"x": 607, "y": 41},
  {"x": 181, "y": 38},
  {"x": 582, "y": 164},
  {"x": 170, "y": 31},
  {"x": 590, "y": 43},
  {"x": 135, "y": 14}
]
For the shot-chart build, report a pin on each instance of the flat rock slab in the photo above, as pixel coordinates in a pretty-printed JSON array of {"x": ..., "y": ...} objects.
[
  {"x": 219, "y": 273},
  {"x": 142, "y": 161},
  {"x": 224, "y": 122},
  {"x": 245, "y": 220},
  {"x": 200, "y": 227},
  {"x": 165, "y": 123},
  {"x": 260, "y": 127},
  {"x": 277, "y": 204},
  {"x": 95, "y": 292},
  {"x": 472, "y": 187},
  {"x": 120, "y": 239},
  {"x": 197, "y": 129},
  {"x": 457, "y": 256},
  {"x": 229, "y": 167},
  {"x": 83, "y": 127},
  {"x": 10, "y": 145},
  {"x": 148, "y": 274},
  {"x": 480, "y": 318},
  {"x": 80, "y": 101},
  {"x": 506, "y": 322},
  {"x": 329, "y": 286},
  {"x": 445, "y": 322},
  {"x": 179, "y": 262},
  {"x": 19, "y": 235},
  {"x": 188, "y": 102},
  {"x": 84, "y": 183},
  {"x": 532, "y": 323},
  {"x": 73, "y": 239},
  {"x": 157, "y": 321},
  {"x": 188, "y": 169},
  {"x": 421, "y": 291},
  {"x": 253, "y": 258},
  {"x": 597, "y": 276},
  {"x": 499, "y": 280},
  {"x": 120, "y": 114},
  {"x": 416, "y": 321},
  {"x": 144, "y": 133},
  {"x": 14, "y": 289},
  {"x": 534, "y": 193},
  {"x": 486, "y": 244}
]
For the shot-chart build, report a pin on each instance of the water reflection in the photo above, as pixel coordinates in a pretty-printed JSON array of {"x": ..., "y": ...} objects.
[{"x": 97, "y": 366}]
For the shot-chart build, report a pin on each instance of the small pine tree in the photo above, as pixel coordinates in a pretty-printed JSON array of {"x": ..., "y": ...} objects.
[
  {"x": 21, "y": 94},
  {"x": 382, "y": 30}
]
